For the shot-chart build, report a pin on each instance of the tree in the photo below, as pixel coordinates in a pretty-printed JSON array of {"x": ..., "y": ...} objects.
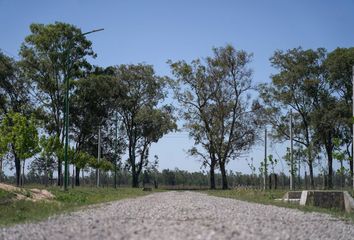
[
  {"x": 80, "y": 160},
  {"x": 193, "y": 90},
  {"x": 294, "y": 87},
  {"x": 51, "y": 54},
  {"x": 13, "y": 87},
  {"x": 20, "y": 134},
  {"x": 339, "y": 64},
  {"x": 326, "y": 119},
  {"x": 45, "y": 163},
  {"x": 92, "y": 108},
  {"x": 138, "y": 93},
  {"x": 215, "y": 100}
]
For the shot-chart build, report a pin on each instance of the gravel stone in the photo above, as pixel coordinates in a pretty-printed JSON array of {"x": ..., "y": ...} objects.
[{"x": 184, "y": 215}]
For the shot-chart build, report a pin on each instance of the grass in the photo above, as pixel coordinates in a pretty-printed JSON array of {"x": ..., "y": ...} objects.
[
  {"x": 5, "y": 196},
  {"x": 268, "y": 198},
  {"x": 12, "y": 212}
]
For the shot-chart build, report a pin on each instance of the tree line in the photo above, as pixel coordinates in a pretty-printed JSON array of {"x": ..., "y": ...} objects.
[{"x": 125, "y": 107}]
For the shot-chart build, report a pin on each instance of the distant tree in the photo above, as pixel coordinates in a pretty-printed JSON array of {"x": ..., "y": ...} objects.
[
  {"x": 51, "y": 54},
  {"x": 215, "y": 101},
  {"x": 92, "y": 108},
  {"x": 294, "y": 87},
  {"x": 139, "y": 94},
  {"x": 339, "y": 65},
  {"x": 46, "y": 161}
]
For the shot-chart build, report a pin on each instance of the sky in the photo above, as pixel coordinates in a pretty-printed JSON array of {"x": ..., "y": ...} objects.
[{"x": 154, "y": 31}]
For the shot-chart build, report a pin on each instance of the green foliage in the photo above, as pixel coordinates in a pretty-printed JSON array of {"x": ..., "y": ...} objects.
[
  {"x": 273, "y": 162},
  {"x": 317, "y": 87},
  {"x": 50, "y": 149},
  {"x": 287, "y": 158},
  {"x": 21, "y": 132},
  {"x": 81, "y": 159},
  {"x": 14, "y": 87},
  {"x": 51, "y": 54}
]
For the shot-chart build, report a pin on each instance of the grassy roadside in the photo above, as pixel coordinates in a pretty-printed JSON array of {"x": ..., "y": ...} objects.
[
  {"x": 268, "y": 198},
  {"x": 12, "y": 212}
]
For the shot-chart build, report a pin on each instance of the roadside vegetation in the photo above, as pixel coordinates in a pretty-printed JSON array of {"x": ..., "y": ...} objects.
[
  {"x": 268, "y": 198},
  {"x": 17, "y": 211}
]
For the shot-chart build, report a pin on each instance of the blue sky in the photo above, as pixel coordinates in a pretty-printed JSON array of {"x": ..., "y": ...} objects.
[{"x": 155, "y": 31}]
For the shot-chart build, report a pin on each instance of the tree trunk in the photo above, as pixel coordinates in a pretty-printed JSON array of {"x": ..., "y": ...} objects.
[
  {"x": 342, "y": 180},
  {"x": 77, "y": 176},
  {"x": 46, "y": 175},
  {"x": 0, "y": 169},
  {"x": 312, "y": 183},
  {"x": 223, "y": 175},
  {"x": 212, "y": 174},
  {"x": 330, "y": 169},
  {"x": 59, "y": 172},
  {"x": 23, "y": 173},
  {"x": 18, "y": 170},
  {"x": 351, "y": 168},
  {"x": 115, "y": 174},
  {"x": 135, "y": 182},
  {"x": 73, "y": 177}
]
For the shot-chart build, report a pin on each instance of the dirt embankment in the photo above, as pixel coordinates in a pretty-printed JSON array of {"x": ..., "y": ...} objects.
[{"x": 33, "y": 194}]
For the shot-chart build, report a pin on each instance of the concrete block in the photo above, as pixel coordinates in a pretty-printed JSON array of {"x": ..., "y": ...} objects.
[
  {"x": 303, "y": 198},
  {"x": 328, "y": 199},
  {"x": 292, "y": 195},
  {"x": 348, "y": 202}
]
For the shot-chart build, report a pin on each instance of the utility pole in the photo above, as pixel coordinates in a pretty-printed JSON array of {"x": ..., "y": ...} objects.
[
  {"x": 73, "y": 177},
  {"x": 98, "y": 156},
  {"x": 353, "y": 123},
  {"x": 299, "y": 174},
  {"x": 291, "y": 153},
  {"x": 116, "y": 150},
  {"x": 0, "y": 169},
  {"x": 265, "y": 160}
]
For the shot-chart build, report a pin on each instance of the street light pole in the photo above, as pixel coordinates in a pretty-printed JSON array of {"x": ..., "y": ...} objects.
[
  {"x": 66, "y": 114},
  {"x": 265, "y": 176},
  {"x": 291, "y": 153},
  {"x": 353, "y": 123}
]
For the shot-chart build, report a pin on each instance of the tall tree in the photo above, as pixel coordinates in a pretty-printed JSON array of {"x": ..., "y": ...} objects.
[
  {"x": 14, "y": 98},
  {"x": 327, "y": 121},
  {"x": 92, "y": 109},
  {"x": 294, "y": 87},
  {"x": 194, "y": 89},
  {"x": 339, "y": 64},
  {"x": 215, "y": 97},
  {"x": 139, "y": 92},
  {"x": 51, "y": 54}
]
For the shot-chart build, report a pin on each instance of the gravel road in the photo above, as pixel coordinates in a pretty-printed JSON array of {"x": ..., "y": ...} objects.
[{"x": 184, "y": 215}]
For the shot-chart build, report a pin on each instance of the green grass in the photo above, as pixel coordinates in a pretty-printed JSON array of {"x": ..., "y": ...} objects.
[
  {"x": 268, "y": 198},
  {"x": 12, "y": 212},
  {"x": 5, "y": 196}
]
